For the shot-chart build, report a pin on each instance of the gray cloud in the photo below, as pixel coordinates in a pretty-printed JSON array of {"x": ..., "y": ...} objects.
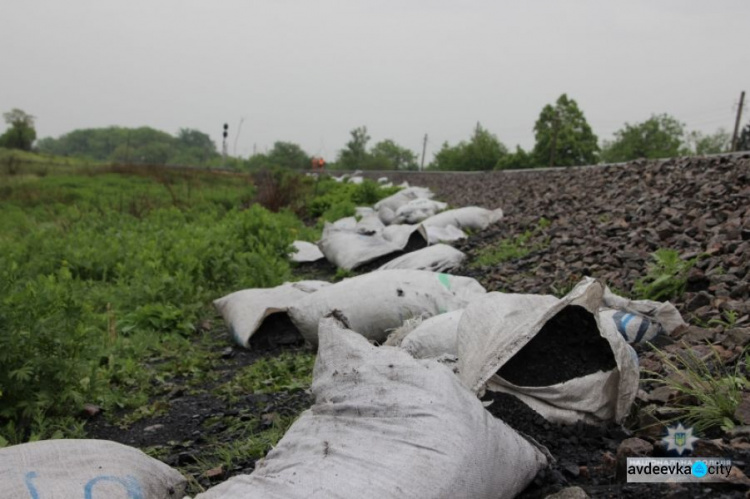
[{"x": 311, "y": 71}]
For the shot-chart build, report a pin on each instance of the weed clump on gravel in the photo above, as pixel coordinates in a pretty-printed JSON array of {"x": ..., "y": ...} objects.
[
  {"x": 513, "y": 248},
  {"x": 666, "y": 278},
  {"x": 709, "y": 390}
]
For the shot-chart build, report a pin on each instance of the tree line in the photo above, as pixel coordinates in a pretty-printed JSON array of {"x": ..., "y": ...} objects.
[{"x": 562, "y": 136}]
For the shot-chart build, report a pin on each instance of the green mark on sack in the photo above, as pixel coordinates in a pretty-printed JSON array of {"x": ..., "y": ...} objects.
[{"x": 445, "y": 281}]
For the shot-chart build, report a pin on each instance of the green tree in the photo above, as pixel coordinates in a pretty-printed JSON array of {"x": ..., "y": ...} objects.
[
  {"x": 448, "y": 157},
  {"x": 660, "y": 136},
  {"x": 715, "y": 143},
  {"x": 354, "y": 156},
  {"x": 387, "y": 155},
  {"x": 482, "y": 152},
  {"x": 193, "y": 146},
  {"x": 516, "y": 160},
  {"x": 563, "y": 136},
  {"x": 258, "y": 161},
  {"x": 288, "y": 155},
  {"x": 134, "y": 145},
  {"x": 188, "y": 137},
  {"x": 21, "y": 134}
]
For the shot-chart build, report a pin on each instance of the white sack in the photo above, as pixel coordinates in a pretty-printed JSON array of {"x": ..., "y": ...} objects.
[
  {"x": 306, "y": 252},
  {"x": 245, "y": 311},
  {"x": 346, "y": 223},
  {"x": 356, "y": 180},
  {"x": 395, "y": 201},
  {"x": 369, "y": 224},
  {"x": 470, "y": 217},
  {"x": 434, "y": 337},
  {"x": 417, "y": 210},
  {"x": 447, "y": 234},
  {"x": 387, "y": 425},
  {"x": 639, "y": 321},
  {"x": 386, "y": 215},
  {"x": 437, "y": 258},
  {"x": 91, "y": 469},
  {"x": 382, "y": 180},
  {"x": 348, "y": 249},
  {"x": 403, "y": 236},
  {"x": 363, "y": 211},
  {"x": 383, "y": 300},
  {"x": 497, "y": 326}
]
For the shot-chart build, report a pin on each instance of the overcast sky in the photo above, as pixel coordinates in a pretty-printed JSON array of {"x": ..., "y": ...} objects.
[{"x": 310, "y": 71}]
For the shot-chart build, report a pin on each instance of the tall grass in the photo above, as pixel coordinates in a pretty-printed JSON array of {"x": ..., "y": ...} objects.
[{"x": 101, "y": 269}]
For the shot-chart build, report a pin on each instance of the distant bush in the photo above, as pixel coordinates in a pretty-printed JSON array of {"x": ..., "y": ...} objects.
[
  {"x": 279, "y": 189},
  {"x": 482, "y": 152},
  {"x": 143, "y": 145}
]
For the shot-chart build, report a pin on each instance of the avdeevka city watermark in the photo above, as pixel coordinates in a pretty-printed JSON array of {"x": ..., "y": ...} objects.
[{"x": 678, "y": 469}]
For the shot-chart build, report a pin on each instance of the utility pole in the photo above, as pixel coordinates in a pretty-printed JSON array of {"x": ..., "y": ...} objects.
[
  {"x": 555, "y": 129},
  {"x": 424, "y": 148},
  {"x": 737, "y": 121},
  {"x": 224, "y": 146}
]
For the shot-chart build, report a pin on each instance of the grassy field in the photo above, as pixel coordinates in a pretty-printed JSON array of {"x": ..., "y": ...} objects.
[{"x": 106, "y": 275}]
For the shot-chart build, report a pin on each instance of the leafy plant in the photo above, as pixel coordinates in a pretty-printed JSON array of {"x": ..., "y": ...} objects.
[
  {"x": 337, "y": 200},
  {"x": 710, "y": 390},
  {"x": 666, "y": 278},
  {"x": 729, "y": 320},
  {"x": 512, "y": 248},
  {"x": 97, "y": 302},
  {"x": 342, "y": 274},
  {"x": 288, "y": 371}
]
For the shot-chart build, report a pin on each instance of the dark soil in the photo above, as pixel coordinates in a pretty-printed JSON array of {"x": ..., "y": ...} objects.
[
  {"x": 322, "y": 270},
  {"x": 585, "y": 457},
  {"x": 568, "y": 346},
  {"x": 277, "y": 330},
  {"x": 193, "y": 421}
]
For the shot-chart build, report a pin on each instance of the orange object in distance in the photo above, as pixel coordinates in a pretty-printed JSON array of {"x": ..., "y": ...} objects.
[{"x": 318, "y": 164}]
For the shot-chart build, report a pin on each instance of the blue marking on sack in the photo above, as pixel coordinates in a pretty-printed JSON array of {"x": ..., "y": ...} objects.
[
  {"x": 645, "y": 324},
  {"x": 625, "y": 321},
  {"x": 129, "y": 483},
  {"x": 32, "y": 489},
  {"x": 621, "y": 321}
]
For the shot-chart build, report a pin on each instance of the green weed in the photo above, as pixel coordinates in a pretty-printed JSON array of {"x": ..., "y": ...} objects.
[
  {"x": 512, "y": 248},
  {"x": 249, "y": 440},
  {"x": 729, "y": 320},
  {"x": 710, "y": 391},
  {"x": 337, "y": 200},
  {"x": 666, "y": 278},
  {"x": 342, "y": 274},
  {"x": 288, "y": 371}
]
